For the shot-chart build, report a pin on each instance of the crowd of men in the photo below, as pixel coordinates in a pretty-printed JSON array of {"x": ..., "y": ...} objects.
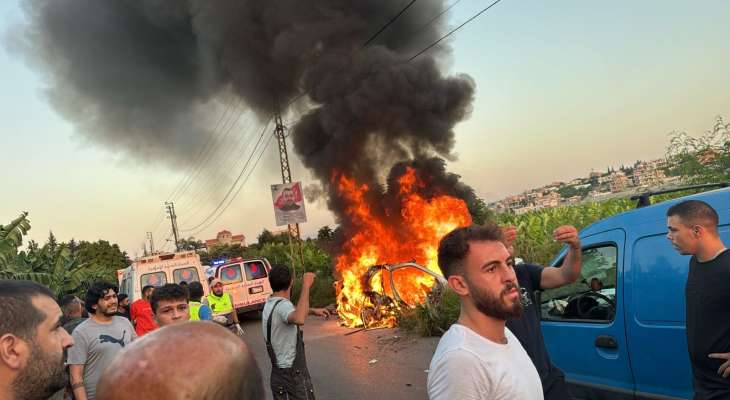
[
  {"x": 82, "y": 350},
  {"x": 154, "y": 348}
]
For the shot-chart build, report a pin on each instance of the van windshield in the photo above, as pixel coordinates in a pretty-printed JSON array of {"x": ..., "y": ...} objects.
[{"x": 188, "y": 275}]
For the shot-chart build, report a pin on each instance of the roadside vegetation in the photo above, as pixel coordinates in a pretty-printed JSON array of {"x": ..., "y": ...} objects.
[{"x": 65, "y": 268}]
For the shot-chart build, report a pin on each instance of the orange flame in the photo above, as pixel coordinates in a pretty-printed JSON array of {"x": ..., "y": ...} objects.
[{"x": 422, "y": 223}]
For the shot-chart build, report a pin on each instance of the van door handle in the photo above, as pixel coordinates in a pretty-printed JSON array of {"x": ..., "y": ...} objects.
[{"x": 606, "y": 342}]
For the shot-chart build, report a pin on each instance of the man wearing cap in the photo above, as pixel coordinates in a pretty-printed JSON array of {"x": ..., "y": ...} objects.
[{"x": 222, "y": 306}]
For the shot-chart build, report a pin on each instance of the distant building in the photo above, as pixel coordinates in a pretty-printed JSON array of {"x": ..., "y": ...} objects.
[
  {"x": 576, "y": 182},
  {"x": 595, "y": 194},
  {"x": 647, "y": 174},
  {"x": 225, "y": 237},
  {"x": 552, "y": 199},
  {"x": 572, "y": 200},
  {"x": 619, "y": 182}
]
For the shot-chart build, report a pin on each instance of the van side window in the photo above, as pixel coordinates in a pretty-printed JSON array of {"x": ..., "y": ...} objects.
[
  {"x": 153, "y": 279},
  {"x": 592, "y": 298},
  {"x": 231, "y": 274},
  {"x": 255, "y": 270},
  {"x": 185, "y": 274}
]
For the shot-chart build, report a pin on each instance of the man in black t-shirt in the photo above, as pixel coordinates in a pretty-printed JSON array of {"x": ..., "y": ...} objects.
[
  {"x": 527, "y": 328},
  {"x": 693, "y": 231}
]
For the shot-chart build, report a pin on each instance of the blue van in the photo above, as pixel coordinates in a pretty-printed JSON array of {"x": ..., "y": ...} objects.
[{"x": 619, "y": 331}]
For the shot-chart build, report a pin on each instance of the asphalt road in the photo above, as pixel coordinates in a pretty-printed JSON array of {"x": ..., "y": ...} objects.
[{"x": 367, "y": 365}]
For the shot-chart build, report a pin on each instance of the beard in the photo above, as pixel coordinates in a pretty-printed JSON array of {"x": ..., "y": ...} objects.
[
  {"x": 496, "y": 306},
  {"x": 44, "y": 375},
  {"x": 108, "y": 311}
]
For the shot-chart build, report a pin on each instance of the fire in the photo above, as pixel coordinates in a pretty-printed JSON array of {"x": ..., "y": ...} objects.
[{"x": 412, "y": 236}]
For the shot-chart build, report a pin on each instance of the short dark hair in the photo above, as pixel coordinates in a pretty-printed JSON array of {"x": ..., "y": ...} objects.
[
  {"x": 168, "y": 292},
  {"x": 454, "y": 247},
  {"x": 146, "y": 288},
  {"x": 279, "y": 277},
  {"x": 196, "y": 290},
  {"x": 69, "y": 303},
  {"x": 97, "y": 291},
  {"x": 18, "y": 315},
  {"x": 122, "y": 297},
  {"x": 695, "y": 212}
]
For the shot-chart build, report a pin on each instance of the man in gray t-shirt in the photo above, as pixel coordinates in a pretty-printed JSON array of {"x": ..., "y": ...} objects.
[
  {"x": 290, "y": 378},
  {"x": 283, "y": 333},
  {"x": 97, "y": 340}
]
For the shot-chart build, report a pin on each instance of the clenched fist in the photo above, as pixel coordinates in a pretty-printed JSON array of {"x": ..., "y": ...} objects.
[
  {"x": 567, "y": 234},
  {"x": 308, "y": 279}
]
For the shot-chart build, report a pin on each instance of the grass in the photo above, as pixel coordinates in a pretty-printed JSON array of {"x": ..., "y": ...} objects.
[{"x": 433, "y": 317}]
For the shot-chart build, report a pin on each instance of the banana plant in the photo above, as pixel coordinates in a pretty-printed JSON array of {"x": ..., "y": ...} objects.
[{"x": 11, "y": 237}]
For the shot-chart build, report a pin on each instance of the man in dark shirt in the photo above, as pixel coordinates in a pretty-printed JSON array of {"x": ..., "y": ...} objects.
[
  {"x": 73, "y": 312},
  {"x": 693, "y": 231},
  {"x": 527, "y": 328}
]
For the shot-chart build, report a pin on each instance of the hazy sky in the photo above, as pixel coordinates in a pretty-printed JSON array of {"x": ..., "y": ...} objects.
[{"x": 563, "y": 87}]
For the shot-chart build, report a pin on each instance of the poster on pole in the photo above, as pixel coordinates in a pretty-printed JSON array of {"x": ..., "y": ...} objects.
[{"x": 288, "y": 203}]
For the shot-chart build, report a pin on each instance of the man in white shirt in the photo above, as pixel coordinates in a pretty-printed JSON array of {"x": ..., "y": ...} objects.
[{"x": 478, "y": 357}]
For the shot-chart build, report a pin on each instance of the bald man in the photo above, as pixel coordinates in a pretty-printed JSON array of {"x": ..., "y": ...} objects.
[{"x": 170, "y": 364}]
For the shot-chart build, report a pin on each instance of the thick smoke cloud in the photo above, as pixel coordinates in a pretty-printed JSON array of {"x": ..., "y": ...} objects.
[
  {"x": 130, "y": 75},
  {"x": 142, "y": 76}
]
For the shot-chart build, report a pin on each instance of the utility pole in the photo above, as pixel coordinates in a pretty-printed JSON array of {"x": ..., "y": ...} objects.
[
  {"x": 173, "y": 220},
  {"x": 152, "y": 243},
  {"x": 294, "y": 236}
]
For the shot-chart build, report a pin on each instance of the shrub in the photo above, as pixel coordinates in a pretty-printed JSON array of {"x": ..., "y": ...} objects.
[{"x": 435, "y": 316}]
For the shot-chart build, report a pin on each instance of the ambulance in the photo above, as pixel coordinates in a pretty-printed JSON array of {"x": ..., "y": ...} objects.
[
  {"x": 247, "y": 280},
  {"x": 159, "y": 269}
]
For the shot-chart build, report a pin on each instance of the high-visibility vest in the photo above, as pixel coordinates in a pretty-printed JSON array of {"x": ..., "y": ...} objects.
[
  {"x": 220, "y": 305},
  {"x": 194, "y": 308}
]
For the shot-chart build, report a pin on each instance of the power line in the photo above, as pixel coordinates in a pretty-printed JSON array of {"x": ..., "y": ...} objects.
[
  {"x": 234, "y": 183},
  {"x": 395, "y": 17},
  {"x": 228, "y": 161},
  {"x": 208, "y": 154},
  {"x": 225, "y": 197},
  {"x": 205, "y": 220},
  {"x": 186, "y": 179},
  {"x": 198, "y": 158},
  {"x": 436, "y": 17},
  {"x": 454, "y": 30},
  {"x": 230, "y": 201}
]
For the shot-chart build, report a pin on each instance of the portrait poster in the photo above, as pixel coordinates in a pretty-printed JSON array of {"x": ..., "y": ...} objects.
[{"x": 288, "y": 203}]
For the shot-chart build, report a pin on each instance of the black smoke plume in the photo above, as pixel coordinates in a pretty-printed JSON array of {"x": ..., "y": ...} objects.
[{"x": 141, "y": 76}]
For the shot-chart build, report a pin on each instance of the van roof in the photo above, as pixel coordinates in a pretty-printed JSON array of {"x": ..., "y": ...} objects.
[
  {"x": 719, "y": 199},
  {"x": 166, "y": 256}
]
